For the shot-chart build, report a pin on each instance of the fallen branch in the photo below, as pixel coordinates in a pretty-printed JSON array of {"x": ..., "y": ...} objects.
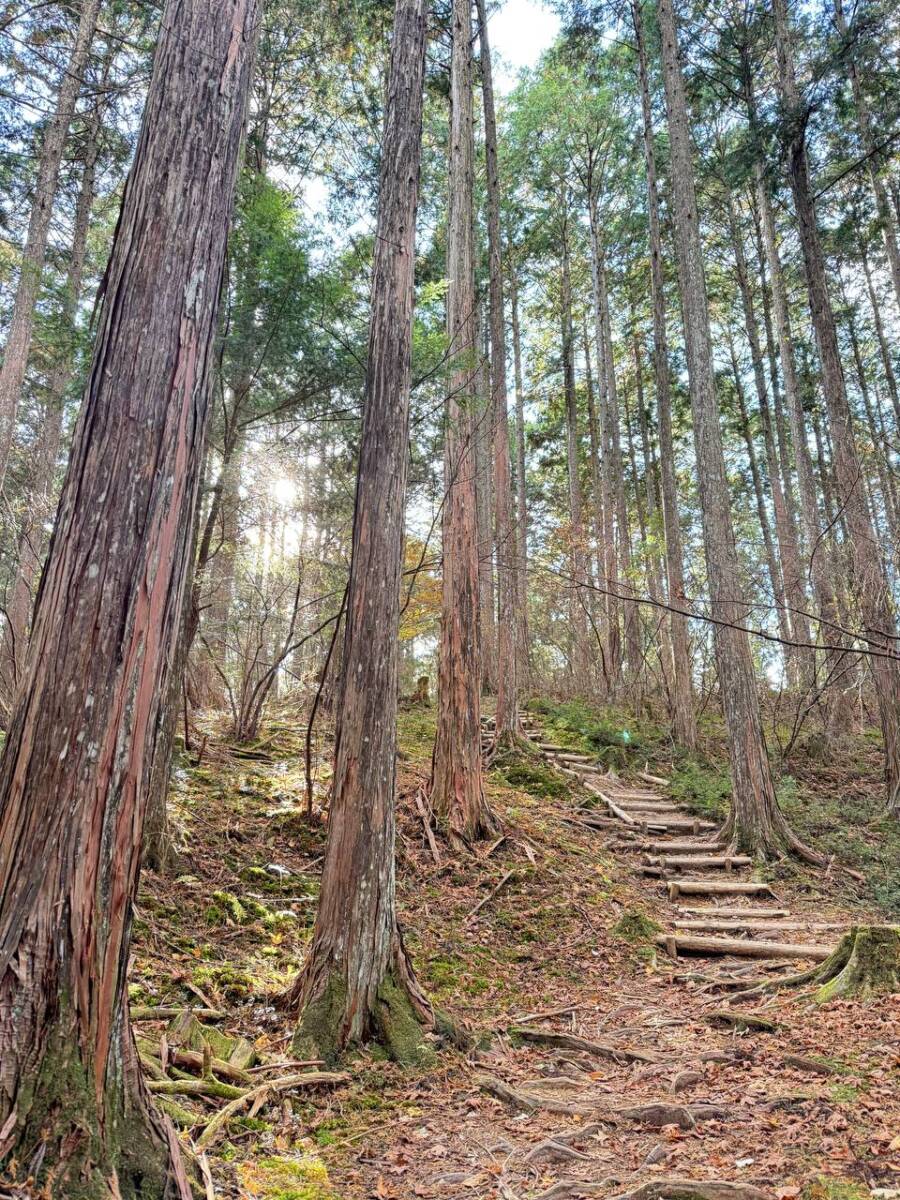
[
  {"x": 526, "y": 1101},
  {"x": 491, "y": 894},
  {"x": 258, "y": 1096}
]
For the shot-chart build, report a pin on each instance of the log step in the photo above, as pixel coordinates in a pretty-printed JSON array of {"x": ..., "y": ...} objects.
[
  {"x": 715, "y": 887},
  {"x": 712, "y": 862},
  {"x": 736, "y": 913},
  {"x": 675, "y": 825},
  {"x": 677, "y": 847},
  {"x": 675, "y": 944},
  {"x": 648, "y": 778},
  {"x": 750, "y": 926}
]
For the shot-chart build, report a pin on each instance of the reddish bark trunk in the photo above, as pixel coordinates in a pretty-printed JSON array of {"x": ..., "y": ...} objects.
[
  {"x": 457, "y": 792},
  {"x": 357, "y": 982},
  {"x": 73, "y": 779}
]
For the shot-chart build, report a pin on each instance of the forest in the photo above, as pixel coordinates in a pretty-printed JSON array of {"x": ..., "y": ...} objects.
[{"x": 449, "y": 600}]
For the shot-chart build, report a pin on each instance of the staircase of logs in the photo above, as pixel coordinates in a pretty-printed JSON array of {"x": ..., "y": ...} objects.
[{"x": 718, "y": 909}]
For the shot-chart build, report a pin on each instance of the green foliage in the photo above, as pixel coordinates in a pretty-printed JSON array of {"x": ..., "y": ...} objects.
[{"x": 704, "y": 787}]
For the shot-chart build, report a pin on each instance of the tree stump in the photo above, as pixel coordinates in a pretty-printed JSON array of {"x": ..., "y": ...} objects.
[{"x": 420, "y": 698}]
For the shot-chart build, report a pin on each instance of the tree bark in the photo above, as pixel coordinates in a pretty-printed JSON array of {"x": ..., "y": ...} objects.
[
  {"x": 457, "y": 792},
  {"x": 73, "y": 778},
  {"x": 578, "y": 593},
  {"x": 870, "y": 585},
  {"x": 507, "y": 721},
  {"x": 683, "y": 719},
  {"x": 357, "y": 981},
  {"x": 794, "y": 621},
  {"x": 610, "y": 565},
  {"x": 523, "y": 647},
  {"x": 755, "y": 823},
  {"x": 483, "y": 424},
  {"x": 21, "y": 326}
]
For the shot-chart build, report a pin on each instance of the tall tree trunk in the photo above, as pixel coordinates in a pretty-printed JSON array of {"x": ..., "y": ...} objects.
[
  {"x": 578, "y": 591},
  {"x": 794, "y": 622},
  {"x": 357, "y": 981},
  {"x": 523, "y": 652},
  {"x": 21, "y": 325},
  {"x": 883, "y": 347},
  {"x": 75, "y": 766},
  {"x": 755, "y": 822},
  {"x": 457, "y": 791},
  {"x": 32, "y": 539},
  {"x": 610, "y": 571},
  {"x": 772, "y": 564},
  {"x": 870, "y": 586},
  {"x": 614, "y": 418},
  {"x": 507, "y": 722},
  {"x": 484, "y": 499},
  {"x": 886, "y": 217},
  {"x": 819, "y": 556},
  {"x": 683, "y": 719}
]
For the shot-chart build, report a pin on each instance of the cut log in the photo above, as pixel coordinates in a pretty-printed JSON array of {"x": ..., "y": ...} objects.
[
  {"x": 753, "y": 913},
  {"x": 711, "y": 862},
  {"x": 750, "y": 926},
  {"x": 716, "y": 887},
  {"x": 675, "y": 944},
  {"x": 648, "y": 778},
  {"x": 676, "y": 825},
  {"x": 677, "y": 847},
  {"x": 652, "y": 807}
]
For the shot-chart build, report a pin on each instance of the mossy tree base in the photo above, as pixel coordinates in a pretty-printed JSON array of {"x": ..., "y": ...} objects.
[
  {"x": 392, "y": 1012},
  {"x": 73, "y": 1147},
  {"x": 866, "y": 963}
]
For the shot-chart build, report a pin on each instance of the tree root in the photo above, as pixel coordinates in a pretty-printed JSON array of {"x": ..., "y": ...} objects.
[
  {"x": 568, "y": 1041},
  {"x": 693, "y": 1189},
  {"x": 865, "y": 963}
]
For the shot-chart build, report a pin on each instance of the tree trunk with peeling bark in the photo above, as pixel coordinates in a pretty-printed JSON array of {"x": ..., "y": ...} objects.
[
  {"x": 755, "y": 823},
  {"x": 523, "y": 647},
  {"x": 507, "y": 721},
  {"x": 577, "y": 589},
  {"x": 357, "y": 982},
  {"x": 870, "y": 586},
  {"x": 457, "y": 790},
  {"x": 74, "y": 773},
  {"x": 683, "y": 719}
]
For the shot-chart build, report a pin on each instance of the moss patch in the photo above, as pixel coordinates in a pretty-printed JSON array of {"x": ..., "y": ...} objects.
[{"x": 304, "y": 1178}]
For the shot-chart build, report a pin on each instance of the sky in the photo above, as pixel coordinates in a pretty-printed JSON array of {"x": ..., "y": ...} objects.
[{"x": 520, "y": 32}]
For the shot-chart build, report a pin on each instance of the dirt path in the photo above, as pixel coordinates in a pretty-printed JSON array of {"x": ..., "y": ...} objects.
[{"x": 608, "y": 1070}]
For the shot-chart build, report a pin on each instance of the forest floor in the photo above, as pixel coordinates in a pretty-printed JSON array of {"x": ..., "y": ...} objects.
[{"x": 563, "y": 941}]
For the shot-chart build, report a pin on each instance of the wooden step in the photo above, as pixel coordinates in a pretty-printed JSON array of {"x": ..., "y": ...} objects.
[
  {"x": 736, "y": 913},
  {"x": 712, "y": 862},
  {"x": 647, "y": 806},
  {"x": 716, "y": 887},
  {"x": 751, "y": 926},
  {"x": 677, "y": 847},
  {"x": 675, "y": 944}
]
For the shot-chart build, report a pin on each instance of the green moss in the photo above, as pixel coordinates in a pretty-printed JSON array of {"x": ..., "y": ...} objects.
[
  {"x": 635, "y": 927},
  {"x": 399, "y": 1027},
  {"x": 58, "y": 1106},
  {"x": 834, "y": 1189},
  {"x": 303, "y": 1178}
]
